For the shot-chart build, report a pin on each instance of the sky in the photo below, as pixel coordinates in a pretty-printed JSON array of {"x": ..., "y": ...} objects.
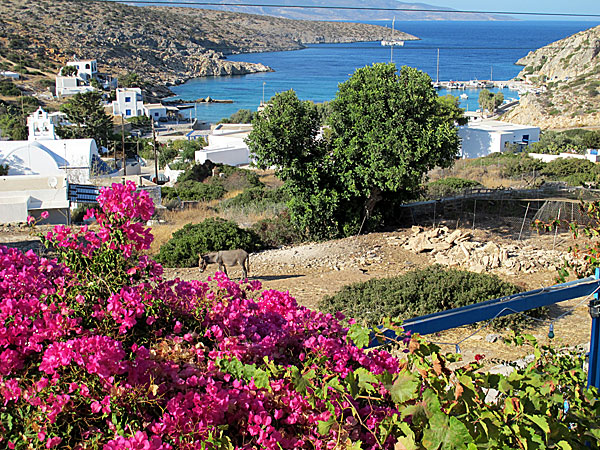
[{"x": 548, "y": 6}]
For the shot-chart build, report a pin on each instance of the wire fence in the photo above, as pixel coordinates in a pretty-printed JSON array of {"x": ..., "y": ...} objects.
[{"x": 513, "y": 211}]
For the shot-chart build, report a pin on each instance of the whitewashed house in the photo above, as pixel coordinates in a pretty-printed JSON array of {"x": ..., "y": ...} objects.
[
  {"x": 226, "y": 145},
  {"x": 155, "y": 111},
  {"x": 129, "y": 103},
  {"x": 71, "y": 85},
  {"x": 489, "y": 136}
]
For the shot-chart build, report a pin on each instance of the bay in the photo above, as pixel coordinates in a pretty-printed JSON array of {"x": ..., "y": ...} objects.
[{"x": 467, "y": 50}]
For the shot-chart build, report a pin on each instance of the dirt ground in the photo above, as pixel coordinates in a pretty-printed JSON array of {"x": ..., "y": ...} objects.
[
  {"x": 314, "y": 270},
  {"x": 311, "y": 271}
]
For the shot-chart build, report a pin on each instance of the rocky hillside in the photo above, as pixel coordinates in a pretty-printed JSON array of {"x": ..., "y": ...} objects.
[
  {"x": 389, "y": 9},
  {"x": 162, "y": 44},
  {"x": 569, "y": 71}
]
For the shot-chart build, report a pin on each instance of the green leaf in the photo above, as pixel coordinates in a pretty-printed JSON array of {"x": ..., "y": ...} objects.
[
  {"x": 359, "y": 335},
  {"x": 366, "y": 379},
  {"x": 323, "y": 426},
  {"x": 541, "y": 422},
  {"x": 405, "y": 387},
  {"x": 563, "y": 445}
]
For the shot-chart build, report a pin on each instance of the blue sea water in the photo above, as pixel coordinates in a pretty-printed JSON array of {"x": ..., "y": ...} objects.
[{"x": 467, "y": 50}]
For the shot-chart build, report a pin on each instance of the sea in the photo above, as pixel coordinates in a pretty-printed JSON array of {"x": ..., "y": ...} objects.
[{"x": 467, "y": 50}]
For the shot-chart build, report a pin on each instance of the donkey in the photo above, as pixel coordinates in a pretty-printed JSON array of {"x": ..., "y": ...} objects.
[{"x": 225, "y": 258}]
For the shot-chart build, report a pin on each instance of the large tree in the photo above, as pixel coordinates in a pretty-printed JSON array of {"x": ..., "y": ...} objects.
[
  {"x": 88, "y": 118},
  {"x": 387, "y": 130}
]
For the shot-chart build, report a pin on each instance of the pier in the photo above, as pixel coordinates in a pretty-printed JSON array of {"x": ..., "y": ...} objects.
[{"x": 520, "y": 86}]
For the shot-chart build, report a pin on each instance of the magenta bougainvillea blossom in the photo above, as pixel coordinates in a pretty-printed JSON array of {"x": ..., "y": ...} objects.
[{"x": 127, "y": 360}]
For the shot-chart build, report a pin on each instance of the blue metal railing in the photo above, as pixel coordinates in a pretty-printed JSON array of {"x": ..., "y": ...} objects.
[{"x": 453, "y": 318}]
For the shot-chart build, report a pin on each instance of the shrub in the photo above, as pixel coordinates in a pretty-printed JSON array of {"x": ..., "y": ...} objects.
[
  {"x": 417, "y": 293},
  {"x": 198, "y": 172},
  {"x": 277, "y": 231},
  {"x": 449, "y": 186},
  {"x": 193, "y": 191},
  {"x": 183, "y": 248},
  {"x": 8, "y": 88},
  {"x": 561, "y": 168},
  {"x": 256, "y": 196},
  {"x": 520, "y": 164}
]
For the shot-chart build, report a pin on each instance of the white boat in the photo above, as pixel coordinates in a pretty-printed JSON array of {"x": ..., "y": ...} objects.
[
  {"x": 393, "y": 41},
  {"x": 464, "y": 96}
]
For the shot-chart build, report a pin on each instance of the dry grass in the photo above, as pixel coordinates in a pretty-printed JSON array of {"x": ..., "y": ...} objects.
[{"x": 489, "y": 176}]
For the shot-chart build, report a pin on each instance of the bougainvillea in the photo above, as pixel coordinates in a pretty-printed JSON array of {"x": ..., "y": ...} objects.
[{"x": 98, "y": 351}]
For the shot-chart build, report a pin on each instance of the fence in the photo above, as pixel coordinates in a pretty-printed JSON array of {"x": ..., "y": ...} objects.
[{"x": 512, "y": 209}]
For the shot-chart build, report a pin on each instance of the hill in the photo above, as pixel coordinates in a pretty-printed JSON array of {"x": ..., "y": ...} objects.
[
  {"x": 352, "y": 10},
  {"x": 568, "y": 73},
  {"x": 162, "y": 44}
]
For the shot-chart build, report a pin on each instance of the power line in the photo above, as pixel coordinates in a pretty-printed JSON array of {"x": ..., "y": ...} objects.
[{"x": 348, "y": 8}]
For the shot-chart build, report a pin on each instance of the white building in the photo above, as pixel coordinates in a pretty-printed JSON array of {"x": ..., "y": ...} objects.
[
  {"x": 41, "y": 124},
  {"x": 9, "y": 74},
  {"x": 30, "y": 195},
  {"x": 490, "y": 136},
  {"x": 155, "y": 111},
  {"x": 86, "y": 70},
  {"x": 129, "y": 103},
  {"x": 71, "y": 86},
  {"x": 72, "y": 158},
  {"x": 226, "y": 145}
]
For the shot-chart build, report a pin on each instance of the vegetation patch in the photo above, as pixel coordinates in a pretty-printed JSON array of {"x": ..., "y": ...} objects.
[
  {"x": 449, "y": 186},
  {"x": 211, "y": 235},
  {"x": 420, "y": 292}
]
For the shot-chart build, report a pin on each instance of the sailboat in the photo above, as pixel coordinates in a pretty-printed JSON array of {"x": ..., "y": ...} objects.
[
  {"x": 437, "y": 84},
  {"x": 392, "y": 40}
]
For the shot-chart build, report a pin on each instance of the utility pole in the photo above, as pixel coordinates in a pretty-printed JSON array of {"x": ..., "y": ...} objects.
[
  {"x": 155, "y": 158},
  {"x": 123, "y": 144}
]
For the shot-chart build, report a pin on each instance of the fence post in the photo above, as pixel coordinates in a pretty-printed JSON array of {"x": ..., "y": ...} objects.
[{"x": 594, "y": 359}]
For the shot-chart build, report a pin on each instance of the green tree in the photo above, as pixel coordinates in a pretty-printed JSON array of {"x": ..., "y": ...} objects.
[
  {"x": 240, "y": 116},
  {"x": 69, "y": 71},
  {"x": 4, "y": 169},
  {"x": 86, "y": 113},
  {"x": 131, "y": 80},
  {"x": 489, "y": 101},
  {"x": 12, "y": 123},
  {"x": 387, "y": 130}
]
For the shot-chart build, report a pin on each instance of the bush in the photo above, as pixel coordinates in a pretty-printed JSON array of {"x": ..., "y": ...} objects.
[
  {"x": 194, "y": 191},
  {"x": 417, "y": 293},
  {"x": 183, "y": 248},
  {"x": 561, "y": 168},
  {"x": 198, "y": 172},
  {"x": 516, "y": 165},
  {"x": 450, "y": 186},
  {"x": 256, "y": 196},
  {"x": 277, "y": 231},
  {"x": 8, "y": 88}
]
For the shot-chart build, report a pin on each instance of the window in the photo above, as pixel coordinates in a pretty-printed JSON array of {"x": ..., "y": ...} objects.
[
  {"x": 127, "y": 112},
  {"x": 127, "y": 99},
  {"x": 526, "y": 138},
  {"x": 87, "y": 66},
  {"x": 155, "y": 114}
]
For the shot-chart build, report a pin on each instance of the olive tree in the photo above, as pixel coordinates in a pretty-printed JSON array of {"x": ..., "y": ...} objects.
[{"x": 387, "y": 129}]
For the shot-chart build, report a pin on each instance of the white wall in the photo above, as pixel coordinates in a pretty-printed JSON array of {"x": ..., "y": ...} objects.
[
  {"x": 128, "y": 103},
  {"x": 23, "y": 195},
  {"x": 231, "y": 156}
]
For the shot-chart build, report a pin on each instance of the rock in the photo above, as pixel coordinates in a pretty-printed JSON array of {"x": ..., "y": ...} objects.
[
  {"x": 492, "y": 337},
  {"x": 456, "y": 234}
]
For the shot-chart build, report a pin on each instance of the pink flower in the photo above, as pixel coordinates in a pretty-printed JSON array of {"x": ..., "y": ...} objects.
[{"x": 45, "y": 214}]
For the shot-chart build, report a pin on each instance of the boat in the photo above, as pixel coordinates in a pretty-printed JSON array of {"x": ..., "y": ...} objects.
[
  {"x": 463, "y": 96},
  {"x": 393, "y": 41}
]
